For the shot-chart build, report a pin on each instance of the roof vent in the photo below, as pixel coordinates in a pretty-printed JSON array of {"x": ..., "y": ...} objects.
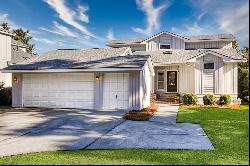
[
  {"x": 205, "y": 39},
  {"x": 95, "y": 48},
  {"x": 67, "y": 49},
  {"x": 167, "y": 52}
]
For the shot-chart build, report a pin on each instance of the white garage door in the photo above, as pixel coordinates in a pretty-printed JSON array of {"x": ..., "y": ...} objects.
[
  {"x": 116, "y": 91},
  {"x": 74, "y": 90}
]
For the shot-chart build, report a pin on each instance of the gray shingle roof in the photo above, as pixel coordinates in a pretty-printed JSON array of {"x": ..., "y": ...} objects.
[
  {"x": 214, "y": 37},
  {"x": 181, "y": 56},
  {"x": 196, "y": 38},
  {"x": 81, "y": 59},
  {"x": 126, "y": 41},
  {"x": 15, "y": 42},
  {"x": 18, "y": 56}
]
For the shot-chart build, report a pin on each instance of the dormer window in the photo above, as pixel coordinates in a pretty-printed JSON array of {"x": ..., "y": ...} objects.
[{"x": 165, "y": 46}]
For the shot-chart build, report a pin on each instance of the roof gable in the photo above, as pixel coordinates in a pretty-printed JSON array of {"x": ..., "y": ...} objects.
[{"x": 164, "y": 32}]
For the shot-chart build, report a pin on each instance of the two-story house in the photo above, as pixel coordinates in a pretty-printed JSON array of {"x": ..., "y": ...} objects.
[
  {"x": 11, "y": 52},
  {"x": 188, "y": 64},
  {"x": 124, "y": 75}
]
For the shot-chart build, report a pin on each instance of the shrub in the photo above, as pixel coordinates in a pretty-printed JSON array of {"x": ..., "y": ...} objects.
[
  {"x": 5, "y": 95},
  {"x": 209, "y": 99},
  {"x": 190, "y": 98},
  {"x": 225, "y": 99}
]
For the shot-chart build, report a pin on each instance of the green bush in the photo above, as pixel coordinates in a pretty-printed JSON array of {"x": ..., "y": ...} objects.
[
  {"x": 190, "y": 98},
  {"x": 5, "y": 95},
  {"x": 225, "y": 99},
  {"x": 209, "y": 99}
]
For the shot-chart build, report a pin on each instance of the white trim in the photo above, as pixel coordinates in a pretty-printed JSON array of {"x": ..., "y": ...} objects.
[
  {"x": 164, "y": 88},
  {"x": 71, "y": 70},
  {"x": 165, "y": 49}
]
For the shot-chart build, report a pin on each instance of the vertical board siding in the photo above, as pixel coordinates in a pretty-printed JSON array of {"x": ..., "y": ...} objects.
[
  {"x": 154, "y": 44},
  {"x": 186, "y": 78},
  {"x": 208, "y": 44},
  {"x": 17, "y": 91},
  {"x": 5, "y": 56}
]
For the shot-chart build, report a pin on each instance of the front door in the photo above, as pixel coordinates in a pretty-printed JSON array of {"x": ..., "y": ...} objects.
[{"x": 171, "y": 81}]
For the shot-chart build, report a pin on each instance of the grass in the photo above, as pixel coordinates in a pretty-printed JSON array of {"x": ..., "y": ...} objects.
[{"x": 227, "y": 128}]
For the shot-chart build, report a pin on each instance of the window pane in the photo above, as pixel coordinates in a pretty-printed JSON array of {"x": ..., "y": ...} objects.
[
  {"x": 160, "y": 85},
  {"x": 160, "y": 76},
  {"x": 165, "y": 46},
  {"x": 171, "y": 78},
  {"x": 208, "y": 65}
]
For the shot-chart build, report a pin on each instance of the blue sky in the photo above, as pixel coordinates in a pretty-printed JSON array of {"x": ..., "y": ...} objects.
[{"x": 91, "y": 23}]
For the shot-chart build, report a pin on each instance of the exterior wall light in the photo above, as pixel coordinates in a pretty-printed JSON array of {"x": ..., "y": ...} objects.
[
  {"x": 97, "y": 77},
  {"x": 15, "y": 79}
]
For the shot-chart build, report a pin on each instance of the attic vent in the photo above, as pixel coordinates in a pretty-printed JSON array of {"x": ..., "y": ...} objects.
[
  {"x": 95, "y": 48},
  {"x": 167, "y": 52},
  {"x": 224, "y": 38},
  {"x": 118, "y": 43}
]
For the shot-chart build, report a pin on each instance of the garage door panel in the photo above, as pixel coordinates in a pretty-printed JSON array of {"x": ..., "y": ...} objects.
[
  {"x": 115, "y": 91},
  {"x": 59, "y": 90}
]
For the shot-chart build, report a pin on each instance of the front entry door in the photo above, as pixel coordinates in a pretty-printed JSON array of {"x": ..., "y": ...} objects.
[{"x": 171, "y": 81}]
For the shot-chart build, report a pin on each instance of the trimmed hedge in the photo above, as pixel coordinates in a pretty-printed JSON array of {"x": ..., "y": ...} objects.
[
  {"x": 225, "y": 99},
  {"x": 190, "y": 98},
  {"x": 5, "y": 95},
  {"x": 209, "y": 99}
]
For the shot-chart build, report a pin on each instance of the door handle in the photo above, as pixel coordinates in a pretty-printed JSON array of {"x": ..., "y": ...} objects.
[{"x": 116, "y": 96}]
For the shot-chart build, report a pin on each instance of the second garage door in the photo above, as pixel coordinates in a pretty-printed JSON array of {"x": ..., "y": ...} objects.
[
  {"x": 116, "y": 91},
  {"x": 74, "y": 90}
]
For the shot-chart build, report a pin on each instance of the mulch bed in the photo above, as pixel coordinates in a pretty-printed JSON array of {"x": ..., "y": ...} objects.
[
  {"x": 142, "y": 115},
  {"x": 213, "y": 106}
]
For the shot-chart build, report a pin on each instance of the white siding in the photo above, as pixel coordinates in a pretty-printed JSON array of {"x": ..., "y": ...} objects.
[
  {"x": 154, "y": 44},
  {"x": 231, "y": 78},
  {"x": 5, "y": 55},
  {"x": 204, "y": 45},
  {"x": 186, "y": 78},
  {"x": 146, "y": 86}
]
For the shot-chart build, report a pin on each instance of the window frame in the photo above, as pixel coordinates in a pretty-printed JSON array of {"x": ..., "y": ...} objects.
[
  {"x": 164, "y": 82},
  {"x": 165, "y": 45},
  {"x": 208, "y": 68}
]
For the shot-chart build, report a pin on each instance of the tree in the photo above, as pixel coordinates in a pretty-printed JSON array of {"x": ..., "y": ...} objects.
[
  {"x": 23, "y": 37},
  {"x": 243, "y": 83},
  {"x": 5, "y": 26}
]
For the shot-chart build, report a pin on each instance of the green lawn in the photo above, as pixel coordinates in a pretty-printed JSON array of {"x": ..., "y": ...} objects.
[{"x": 226, "y": 128}]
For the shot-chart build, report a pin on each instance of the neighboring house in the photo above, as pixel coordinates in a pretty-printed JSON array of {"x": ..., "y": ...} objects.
[
  {"x": 11, "y": 52},
  {"x": 126, "y": 74}
]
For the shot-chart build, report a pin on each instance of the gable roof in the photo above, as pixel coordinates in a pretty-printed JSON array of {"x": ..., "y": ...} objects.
[
  {"x": 182, "y": 56},
  {"x": 165, "y": 32},
  {"x": 214, "y": 37},
  {"x": 18, "y": 56}
]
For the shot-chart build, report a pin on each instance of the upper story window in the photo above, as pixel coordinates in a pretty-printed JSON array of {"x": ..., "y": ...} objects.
[
  {"x": 209, "y": 65},
  {"x": 165, "y": 46}
]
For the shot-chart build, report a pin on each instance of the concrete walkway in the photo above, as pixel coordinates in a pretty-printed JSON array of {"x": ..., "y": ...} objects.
[{"x": 160, "y": 132}]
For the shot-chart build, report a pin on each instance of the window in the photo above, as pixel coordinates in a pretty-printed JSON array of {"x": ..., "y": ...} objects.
[
  {"x": 161, "y": 80},
  {"x": 209, "y": 65},
  {"x": 165, "y": 46}
]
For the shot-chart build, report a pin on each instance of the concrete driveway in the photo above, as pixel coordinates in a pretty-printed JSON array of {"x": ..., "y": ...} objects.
[{"x": 35, "y": 130}]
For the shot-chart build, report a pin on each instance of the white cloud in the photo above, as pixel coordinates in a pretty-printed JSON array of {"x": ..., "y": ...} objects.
[
  {"x": 236, "y": 21},
  {"x": 231, "y": 17},
  {"x": 4, "y": 17},
  {"x": 82, "y": 16},
  {"x": 47, "y": 41},
  {"x": 60, "y": 30},
  {"x": 70, "y": 16},
  {"x": 110, "y": 35},
  {"x": 153, "y": 15}
]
